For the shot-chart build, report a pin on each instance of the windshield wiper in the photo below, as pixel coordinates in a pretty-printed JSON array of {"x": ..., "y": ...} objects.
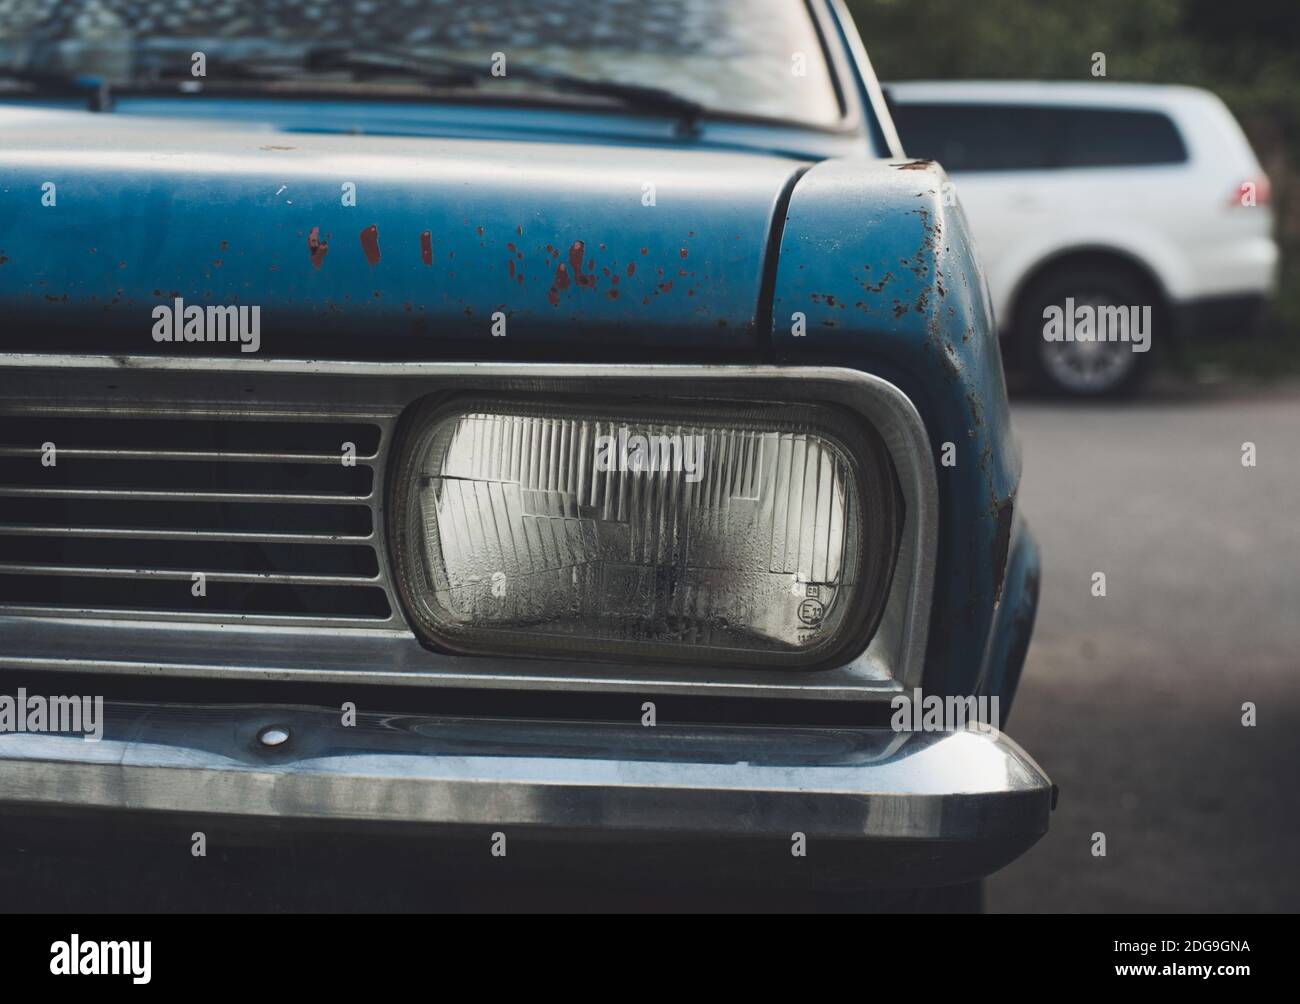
[
  {"x": 434, "y": 71},
  {"x": 441, "y": 72}
]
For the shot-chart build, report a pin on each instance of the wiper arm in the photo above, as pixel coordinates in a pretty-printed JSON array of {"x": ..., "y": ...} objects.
[
  {"x": 435, "y": 71},
  {"x": 442, "y": 71}
]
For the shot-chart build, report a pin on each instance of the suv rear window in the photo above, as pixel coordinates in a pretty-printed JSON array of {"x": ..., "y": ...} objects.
[
  {"x": 1110, "y": 138},
  {"x": 988, "y": 137}
]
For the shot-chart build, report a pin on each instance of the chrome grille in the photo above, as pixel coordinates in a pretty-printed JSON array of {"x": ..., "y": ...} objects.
[
  {"x": 127, "y": 506},
  {"x": 237, "y": 394}
]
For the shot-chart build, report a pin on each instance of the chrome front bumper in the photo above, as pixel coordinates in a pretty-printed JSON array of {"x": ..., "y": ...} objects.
[{"x": 897, "y": 809}]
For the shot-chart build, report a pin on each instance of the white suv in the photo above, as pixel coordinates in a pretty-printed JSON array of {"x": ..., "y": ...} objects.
[{"x": 1095, "y": 196}]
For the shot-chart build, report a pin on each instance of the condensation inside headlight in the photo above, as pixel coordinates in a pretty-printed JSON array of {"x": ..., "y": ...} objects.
[{"x": 762, "y": 535}]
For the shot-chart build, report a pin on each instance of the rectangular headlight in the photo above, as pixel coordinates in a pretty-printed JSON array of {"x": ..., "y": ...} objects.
[{"x": 761, "y": 535}]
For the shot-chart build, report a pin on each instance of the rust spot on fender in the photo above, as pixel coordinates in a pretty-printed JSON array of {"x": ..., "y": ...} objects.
[
  {"x": 576, "y": 252},
  {"x": 879, "y": 286},
  {"x": 560, "y": 283},
  {"x": 317, "y": 248},
  {"x": 370, "y": 244},
  {"x": 426, "y": 247}
]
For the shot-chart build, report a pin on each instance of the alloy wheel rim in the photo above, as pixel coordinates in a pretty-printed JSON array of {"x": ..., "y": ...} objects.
[{"x": 1089, "y": 367}]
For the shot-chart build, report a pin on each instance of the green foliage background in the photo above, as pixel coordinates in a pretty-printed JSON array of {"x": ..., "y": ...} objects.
[{"x": 1247, "y": 52}]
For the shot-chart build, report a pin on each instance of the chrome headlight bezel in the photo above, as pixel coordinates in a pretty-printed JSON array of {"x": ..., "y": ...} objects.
[{"x": 416, "y": 547}]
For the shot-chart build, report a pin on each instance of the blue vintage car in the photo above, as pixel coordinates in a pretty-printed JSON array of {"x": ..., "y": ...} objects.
[{"x": 535, "y": 426}]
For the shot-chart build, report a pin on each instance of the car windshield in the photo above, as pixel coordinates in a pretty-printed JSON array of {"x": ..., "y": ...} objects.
[{"x": 748, "y": 57}]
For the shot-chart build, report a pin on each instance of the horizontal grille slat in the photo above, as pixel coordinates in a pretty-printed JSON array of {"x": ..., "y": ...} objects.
[
  {"x": 177, "y": 432},
  {"x": 184, "y": 555},
  {"x": 187, "y": 475},
  {"x": 144, "y": 595},
  {"x": 184, "y": 575},
  {"x": 207, "y": 616},
  {"x": 78, "y": 453},
  {"x": 188, "y": 513},
  {"x": 116, "y": 514},
  {"x": 160, "y": 496},
  {"x": 118, "y": 533}
]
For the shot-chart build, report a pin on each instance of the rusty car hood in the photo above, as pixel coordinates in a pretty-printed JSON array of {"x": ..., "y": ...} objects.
[{"x": 609, "y": 249}]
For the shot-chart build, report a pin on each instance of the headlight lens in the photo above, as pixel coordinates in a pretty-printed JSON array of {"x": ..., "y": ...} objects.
[{"x": 747, "y": 535}]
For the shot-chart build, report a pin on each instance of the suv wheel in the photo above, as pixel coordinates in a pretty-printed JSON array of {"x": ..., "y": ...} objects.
[{"x": 1088, "y": 369}]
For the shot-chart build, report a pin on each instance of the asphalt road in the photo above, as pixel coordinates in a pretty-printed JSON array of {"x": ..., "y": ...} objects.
[{"x": 1133, "y": 701}]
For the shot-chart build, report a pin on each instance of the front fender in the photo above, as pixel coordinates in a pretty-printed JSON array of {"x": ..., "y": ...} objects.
[{"x": 877, "y": 261}]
